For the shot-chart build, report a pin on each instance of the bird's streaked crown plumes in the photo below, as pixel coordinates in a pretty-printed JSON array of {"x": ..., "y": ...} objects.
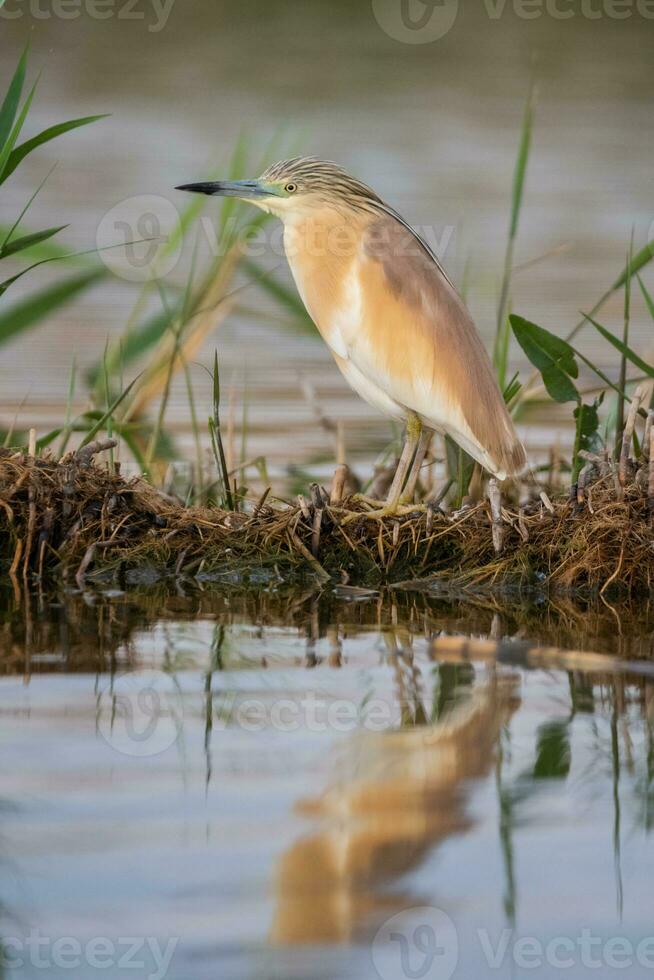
[{"x": 322, "y": 178}]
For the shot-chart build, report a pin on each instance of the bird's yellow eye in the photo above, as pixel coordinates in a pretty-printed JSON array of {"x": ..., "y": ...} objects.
[{"x": 291, "y": 188}]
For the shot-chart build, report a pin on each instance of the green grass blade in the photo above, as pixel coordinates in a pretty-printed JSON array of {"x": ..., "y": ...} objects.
[
  {"x": 501, "y": 346},
  {"x": 67, "y": 429},
  {"x": 216, "y": 389},
  {"x": 29, "y": 311},
  {"x": 646, "y": 296},
  {"x": 522, "y": 161},
  {"x": 47, "y": 439},
  {"x": 11, "y": 100},
  {"x": 624, "y": 349},
  {"x": 177, "y": 329},
  {"x": 216, "y": 437},
  {"x": 5, "y": 236},
  {"x": 622, "y": 377},
  {"x": 47, "y": 251},
  {"x": 101, "y": 422},
  {"x": 15, "y": 132},
  {"x": 110, "y": 420},
  {"x": 27, "y": 241},
  {"x": 639, "y": 260},
  {"x": 19, "y": 153},
  {"x": 634, "y": 266},
  {"x": 4, "y": 286}
]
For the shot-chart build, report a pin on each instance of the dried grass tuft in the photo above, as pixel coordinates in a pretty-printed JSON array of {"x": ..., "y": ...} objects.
[{"x": 75, "y": 518}]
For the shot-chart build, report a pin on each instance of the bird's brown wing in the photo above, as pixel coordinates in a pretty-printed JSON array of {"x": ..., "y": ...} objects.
[{"x": 417, "y": 341}]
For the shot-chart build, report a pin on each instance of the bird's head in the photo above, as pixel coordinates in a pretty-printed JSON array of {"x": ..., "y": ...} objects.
[{"x": 294, "y": 187}]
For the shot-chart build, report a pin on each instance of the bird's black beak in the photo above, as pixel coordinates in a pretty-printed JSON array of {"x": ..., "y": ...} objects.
[{"x": 229, "y": 188}]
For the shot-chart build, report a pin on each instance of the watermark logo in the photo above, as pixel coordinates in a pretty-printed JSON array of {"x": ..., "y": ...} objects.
[
  {"x": 140, "y": 239},
  {"x": 416, "y": 21},
  {"x": 134, "y": 238},
  {"x": 417, "y": 944},
  {"x": 148, "y": 955},
  {"x": 426, "y": 21},
  {"x": 422, "y": 944},
  {"x": 141, "y": 713},
  {"x": 153, "y": 13}
]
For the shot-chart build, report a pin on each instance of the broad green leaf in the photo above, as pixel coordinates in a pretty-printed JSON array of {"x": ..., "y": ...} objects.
[
  {"x": 20, "y": 152},
  {"x": 554, "y": 358},
  {"x": 28, "y": 312},
  {"x": 558, "y": 385},
  {"x": 624, "y": 349},
  {"x": 27, "y": 241},
  {"x": 11, "y": 100}
]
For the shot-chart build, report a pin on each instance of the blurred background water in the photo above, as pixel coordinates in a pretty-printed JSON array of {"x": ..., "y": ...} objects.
[{"x": 433, "y": 127}]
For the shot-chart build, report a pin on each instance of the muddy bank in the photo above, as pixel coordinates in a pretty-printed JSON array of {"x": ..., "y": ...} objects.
[{"x": 75, "y": 520}]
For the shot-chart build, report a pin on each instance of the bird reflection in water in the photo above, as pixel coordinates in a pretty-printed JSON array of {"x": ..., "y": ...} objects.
[{"x": 393, "y": 796}]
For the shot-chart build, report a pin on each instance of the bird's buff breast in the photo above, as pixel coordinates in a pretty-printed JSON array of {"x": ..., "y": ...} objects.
[
  {"x": 333, "y": 277},
  {"x": 329, "y": 268},
  {"x": 323, "y": 254}
]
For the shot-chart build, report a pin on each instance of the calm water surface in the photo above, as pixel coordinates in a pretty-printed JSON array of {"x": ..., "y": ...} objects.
[
  {"x": 289, "y": 786},
  {"x": 433, "y": 127}
]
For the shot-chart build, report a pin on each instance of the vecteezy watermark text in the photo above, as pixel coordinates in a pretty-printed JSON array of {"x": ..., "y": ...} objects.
[
  {"x": 154, "y": 13},
  {"x": 145, "y": 954},
  {"x": 423, "y": 942},
  {"x": 426, "y": 21},
  {"x": 138, "y": 239}
]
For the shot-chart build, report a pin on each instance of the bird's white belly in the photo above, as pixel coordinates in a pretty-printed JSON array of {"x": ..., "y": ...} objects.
[{"x": 370, "y": 392}]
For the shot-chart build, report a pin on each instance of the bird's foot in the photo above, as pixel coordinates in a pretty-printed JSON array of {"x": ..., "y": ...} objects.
[
  {"x": 380, "y": 513},
  {"x": 363, "y": 498}
]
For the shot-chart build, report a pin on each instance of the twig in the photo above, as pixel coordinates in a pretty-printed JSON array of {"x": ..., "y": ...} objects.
[
  {"x": 260, "y": 503},
  {"x": 341, "y": 474},
  {"x": 627, "y": 434},
  {"x": 304, "y": 551},
  {"x": 315, "y": 532},
  {"x": 85, "y": 455},
  {"x": 302, "y": 504}
]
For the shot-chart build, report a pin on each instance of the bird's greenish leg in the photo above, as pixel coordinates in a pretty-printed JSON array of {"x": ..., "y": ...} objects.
[
  {"x": 413, "y": 436},
  {"x": 416, "y": 466},
  {"x": 392, "y": 506}
]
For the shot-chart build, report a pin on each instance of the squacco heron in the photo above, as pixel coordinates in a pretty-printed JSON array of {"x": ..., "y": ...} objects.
[{"x": 390, "y": 315}]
